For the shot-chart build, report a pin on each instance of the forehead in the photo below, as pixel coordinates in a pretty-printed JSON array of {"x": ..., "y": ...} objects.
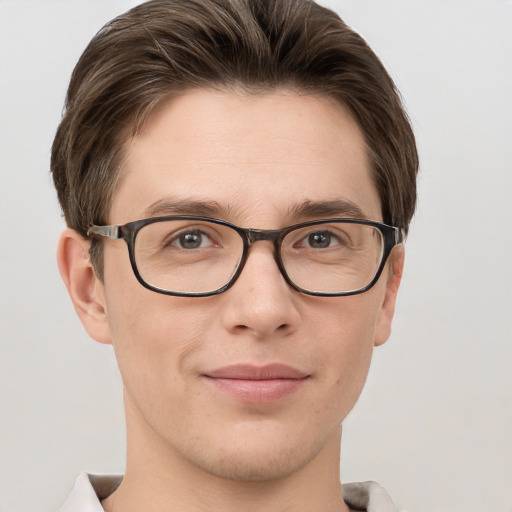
[{"x": 257, "y": 157}]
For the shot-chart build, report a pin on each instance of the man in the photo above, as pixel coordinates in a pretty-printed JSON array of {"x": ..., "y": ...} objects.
[{"x": 256, "y": 161}]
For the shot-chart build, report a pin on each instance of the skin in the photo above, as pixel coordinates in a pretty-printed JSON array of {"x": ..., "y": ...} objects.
[{"x": 192, "y": 446}]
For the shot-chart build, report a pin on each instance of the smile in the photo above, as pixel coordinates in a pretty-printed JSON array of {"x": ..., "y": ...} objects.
[{"x": 257, "y": 384}]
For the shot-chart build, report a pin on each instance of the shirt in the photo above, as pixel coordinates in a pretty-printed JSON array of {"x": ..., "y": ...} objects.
[{"x": 89, "y": 490}]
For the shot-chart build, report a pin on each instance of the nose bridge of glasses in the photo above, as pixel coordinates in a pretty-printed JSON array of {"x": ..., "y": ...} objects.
[
  {"x": 259, "y": 235},
  {"x": 273, "y": 236}
]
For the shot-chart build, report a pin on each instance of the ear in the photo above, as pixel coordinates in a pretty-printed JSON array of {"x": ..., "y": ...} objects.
[
  {"x": 394, "y": 273},
  {"x": 84, "y": 287}
]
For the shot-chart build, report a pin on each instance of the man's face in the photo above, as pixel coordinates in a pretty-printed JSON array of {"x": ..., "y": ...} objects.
[{"x": 186, "y": 362}]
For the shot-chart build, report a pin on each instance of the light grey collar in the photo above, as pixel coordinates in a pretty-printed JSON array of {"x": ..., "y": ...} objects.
[{"x": 89, "y": 490}]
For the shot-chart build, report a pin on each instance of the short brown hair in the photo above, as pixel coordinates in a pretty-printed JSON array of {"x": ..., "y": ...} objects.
[{"x": 167, "y": 46}]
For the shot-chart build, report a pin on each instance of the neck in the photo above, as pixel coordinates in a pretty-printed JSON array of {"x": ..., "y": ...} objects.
[{"x": 158, "y": 479}]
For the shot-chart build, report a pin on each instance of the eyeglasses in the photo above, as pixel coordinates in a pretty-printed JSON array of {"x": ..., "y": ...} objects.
[{"x": 194, "y": 256}]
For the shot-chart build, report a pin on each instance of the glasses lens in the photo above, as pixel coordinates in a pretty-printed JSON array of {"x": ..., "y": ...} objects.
[
  {"x": 332, "y": 257},
  {"x": 187, "y": 256}
]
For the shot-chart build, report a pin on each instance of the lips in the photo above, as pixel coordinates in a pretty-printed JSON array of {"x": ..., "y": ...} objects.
[{"x": 257, "y": 384}]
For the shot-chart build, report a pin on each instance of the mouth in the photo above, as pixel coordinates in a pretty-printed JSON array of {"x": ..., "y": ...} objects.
[{"x": 257, "y": 384}]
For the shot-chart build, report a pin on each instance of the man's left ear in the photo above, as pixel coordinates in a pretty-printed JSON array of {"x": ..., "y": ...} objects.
[{"x": 394, "y": 272}]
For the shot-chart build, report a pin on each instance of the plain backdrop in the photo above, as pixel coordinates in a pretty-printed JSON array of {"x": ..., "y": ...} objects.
[{"x": 434, "y": 424}]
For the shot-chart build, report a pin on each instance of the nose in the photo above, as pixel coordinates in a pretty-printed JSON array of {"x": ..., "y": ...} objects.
[{"x": 261, "y": 303}]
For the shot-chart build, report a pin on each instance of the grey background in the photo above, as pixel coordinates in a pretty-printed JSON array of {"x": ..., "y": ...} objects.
[{"x": 434, "y": 425}]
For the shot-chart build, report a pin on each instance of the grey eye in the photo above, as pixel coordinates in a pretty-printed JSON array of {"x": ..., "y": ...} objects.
[
  {"x": 191, "y": 240},
  {"x": 319, "y": 239}
]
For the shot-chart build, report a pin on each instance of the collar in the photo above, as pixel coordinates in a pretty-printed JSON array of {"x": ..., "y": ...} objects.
[
  {"x": 89, "y": 490},
  {"x": 368, "y": 496}
]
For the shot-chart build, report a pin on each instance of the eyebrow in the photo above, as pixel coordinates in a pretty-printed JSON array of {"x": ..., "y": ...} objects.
[
  {"x": 207, "y": 208},
  {"x": 332, "y": 208},
  {"x": 174, "y": 206}
]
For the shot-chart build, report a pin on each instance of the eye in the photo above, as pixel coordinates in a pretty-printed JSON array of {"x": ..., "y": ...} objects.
[
  {"x": 328, "y": 237},
  {"x": 319, "y": 239},
  {"x": 195, "y": 239}
]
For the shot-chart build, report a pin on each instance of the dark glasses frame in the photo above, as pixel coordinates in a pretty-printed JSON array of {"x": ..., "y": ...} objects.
[{"x": 391, "y": 236}]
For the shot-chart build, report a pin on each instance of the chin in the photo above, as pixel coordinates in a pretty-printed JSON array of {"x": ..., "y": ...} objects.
[
  {"x": 244, "y": 467},
  {"x": 263, "y": 458}
]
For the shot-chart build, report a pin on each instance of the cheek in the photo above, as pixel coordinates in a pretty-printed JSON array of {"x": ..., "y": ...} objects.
[
  {"x": 346, "y": 348},
  {"x": 150, "y": 331},
  {"x": 155, "y": 342},
  {"x": 152, "y": 334}
]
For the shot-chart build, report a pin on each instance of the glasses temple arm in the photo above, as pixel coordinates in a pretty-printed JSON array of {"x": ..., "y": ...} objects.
[
  {"x": 399, "y": 236},
  {"x": 113, "y": 232}
]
